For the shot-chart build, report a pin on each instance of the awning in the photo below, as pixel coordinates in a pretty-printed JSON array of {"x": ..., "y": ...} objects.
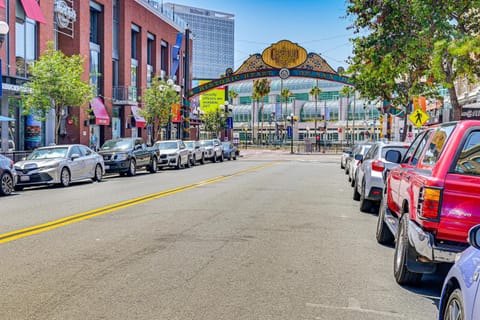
[
  {"x": 33, "y": 11},
  {"x": 139, "y": 120},
  {"x": 101, "y": 114},
  {"x": 2, "y": 4}
]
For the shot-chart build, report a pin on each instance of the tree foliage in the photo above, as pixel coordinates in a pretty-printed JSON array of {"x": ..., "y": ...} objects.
[
  {"x": 214, "y": 121},
  {"x": 405, "y": 48},
  {"x": 157, "y": 104},
  {"x": 56, "y": 83}
]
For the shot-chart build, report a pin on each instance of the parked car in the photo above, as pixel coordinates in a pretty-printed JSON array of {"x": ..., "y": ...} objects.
[
  {"x": 369, "y": 180},
  {"x": 343, "y": 159},
  {"x": 230, "y": 151},
  {"x": 196, "y": 150},
  {"x": 359, "y": 151},
  {"x": 431, "y": 199},
  {"x": 172, "y": 153},
  {"x": 213, "y": 150},
  {"x": 460, "y": 298},
  {"x": 59, "y": 164},
  {"x": 8, "y": 176},
  {"x": 126, "y": 155}
]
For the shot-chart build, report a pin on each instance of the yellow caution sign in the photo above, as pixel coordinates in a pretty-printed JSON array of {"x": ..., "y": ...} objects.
[{"x": 418, "y": 117}]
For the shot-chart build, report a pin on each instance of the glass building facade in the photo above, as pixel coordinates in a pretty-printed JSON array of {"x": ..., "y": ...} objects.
[{"x": 213, "y": 39}]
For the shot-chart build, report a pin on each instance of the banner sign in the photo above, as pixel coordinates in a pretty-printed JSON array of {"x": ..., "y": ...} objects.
[
  {"x": 176, "y": 117},
  {"x": 176, "y": 54},
  {"x": 212, "y": 99}
]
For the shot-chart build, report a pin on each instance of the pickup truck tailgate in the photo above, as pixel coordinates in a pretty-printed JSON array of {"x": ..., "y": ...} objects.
[{"x": 460, "y": 207}]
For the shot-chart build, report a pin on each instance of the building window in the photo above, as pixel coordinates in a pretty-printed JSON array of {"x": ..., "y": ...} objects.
[
  {"x": 94, "y": 24},
  {"x": 115, "y": 29},
  {"x": 135, "y": 32},
  {"x": 132, "y": 93},
  {"x": 164, "y": 57},
  {"x": 150, "y": 55},
  {"x": 25, "y": 42},
  {"x": 95, "y": 67}
]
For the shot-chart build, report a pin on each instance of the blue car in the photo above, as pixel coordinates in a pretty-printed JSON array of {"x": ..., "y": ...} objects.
[{"x": 460, "y": 294}]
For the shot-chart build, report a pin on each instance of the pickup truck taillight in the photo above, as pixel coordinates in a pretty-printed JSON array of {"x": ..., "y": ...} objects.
[
  {"x": 429, "y": 202},
  {"x": 378, "y": 165}
]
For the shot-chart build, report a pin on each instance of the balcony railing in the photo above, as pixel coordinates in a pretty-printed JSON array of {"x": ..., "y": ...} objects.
[{"x": 125, "y": 95}]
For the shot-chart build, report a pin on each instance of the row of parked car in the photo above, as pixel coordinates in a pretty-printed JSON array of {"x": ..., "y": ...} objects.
[
  {"x": 426, "y": 196},
  {"x": 64, "y": 164}
]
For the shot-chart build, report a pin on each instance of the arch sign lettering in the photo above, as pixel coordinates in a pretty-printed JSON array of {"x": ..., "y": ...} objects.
[{"x": 282, "y": 59}]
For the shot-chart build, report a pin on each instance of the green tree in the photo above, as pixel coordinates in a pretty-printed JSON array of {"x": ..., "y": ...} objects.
[
  {"x": 157, "y": 104},
  {"x": 56, "y": 83},
  {"x": 255, "y": 99},
  {"x": 285, "y": 94},
  {"x": 262, "y": 88},
  {"x": 232, "y": 95},
  {"x": 214, "y": 120},
  {"x": 315, "y": 92}
]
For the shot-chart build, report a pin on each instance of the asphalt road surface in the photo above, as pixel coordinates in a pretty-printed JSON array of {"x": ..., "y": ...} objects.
[{"x": 269, "y": 236}]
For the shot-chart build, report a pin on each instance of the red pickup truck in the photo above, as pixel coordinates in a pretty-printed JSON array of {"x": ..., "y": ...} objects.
[{"x": 431, "y": 199}]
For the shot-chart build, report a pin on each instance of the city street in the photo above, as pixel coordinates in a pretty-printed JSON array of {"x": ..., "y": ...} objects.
[{"x": 269, "y": 236}]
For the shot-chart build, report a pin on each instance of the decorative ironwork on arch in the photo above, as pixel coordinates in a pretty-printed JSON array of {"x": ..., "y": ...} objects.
[{"x": 281, "y": 56}]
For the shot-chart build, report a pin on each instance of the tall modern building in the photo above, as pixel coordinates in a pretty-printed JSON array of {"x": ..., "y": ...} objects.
[{"x": 213, "y": 39}]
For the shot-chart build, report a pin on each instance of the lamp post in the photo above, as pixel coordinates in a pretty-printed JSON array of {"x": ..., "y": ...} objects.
[
  {"x": 4, "y": 28},
  {"x": 291, "y": 118}
]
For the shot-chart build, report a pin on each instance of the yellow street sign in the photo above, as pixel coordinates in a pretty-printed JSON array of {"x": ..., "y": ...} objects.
[{"x": 418, "y": 117}]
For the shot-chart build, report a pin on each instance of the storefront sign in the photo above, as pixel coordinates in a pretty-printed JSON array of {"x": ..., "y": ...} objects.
[{"x": 64, "y": 14}]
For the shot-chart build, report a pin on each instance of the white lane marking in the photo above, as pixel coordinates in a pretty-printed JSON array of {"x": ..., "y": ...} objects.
[{"x": 354, "y": 305}]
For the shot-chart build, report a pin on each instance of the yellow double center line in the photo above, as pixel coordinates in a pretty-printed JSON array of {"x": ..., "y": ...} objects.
[{"x": 14, "y": 235}]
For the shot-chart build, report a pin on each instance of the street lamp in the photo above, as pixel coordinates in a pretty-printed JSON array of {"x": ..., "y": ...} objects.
[
  {"x": 3, "y": 109},
  {"x": 292, "y": 119}
]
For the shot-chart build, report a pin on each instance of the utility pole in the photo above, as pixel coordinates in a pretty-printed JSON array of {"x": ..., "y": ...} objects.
[{"x": 185, "y": 108}]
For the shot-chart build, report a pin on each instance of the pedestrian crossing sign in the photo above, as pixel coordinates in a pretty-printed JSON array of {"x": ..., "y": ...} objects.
[{"x": 418, "y": 117}]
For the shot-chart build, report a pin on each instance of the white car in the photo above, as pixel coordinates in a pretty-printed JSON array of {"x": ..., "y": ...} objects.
[
  {"x": 173, "y": 153},
  {"x": 60, "y": 164},
  {"x": 213, "y": 150},
  {"x": 197, "y": 152}
]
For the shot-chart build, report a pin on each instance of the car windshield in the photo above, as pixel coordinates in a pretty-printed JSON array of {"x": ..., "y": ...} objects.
[
  {"x": 48, "y": 153},
  {"x": 117, "y": 145},
  {"x": 166, "y": 145},
  {"x": 207, "y": 143},
  {"x": 189, "y": 144}
]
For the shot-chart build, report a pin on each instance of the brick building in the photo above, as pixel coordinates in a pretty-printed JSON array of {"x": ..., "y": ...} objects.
[{"x": 125, "y": 44}]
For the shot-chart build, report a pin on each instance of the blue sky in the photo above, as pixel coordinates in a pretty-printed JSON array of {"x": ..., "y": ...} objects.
[{"x": 317, "y": 25}]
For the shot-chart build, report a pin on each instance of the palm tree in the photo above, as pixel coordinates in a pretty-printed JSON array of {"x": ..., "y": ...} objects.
[
  {"x": 285, "y": 93},
  {"x": 347, "y": 90},
  {"x": 315, "y": 91},
  {"x": 262, "y": 88},
  {"x": 232, "y": 95}
]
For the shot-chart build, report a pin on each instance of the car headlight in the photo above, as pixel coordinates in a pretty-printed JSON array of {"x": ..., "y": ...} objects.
[{"x": 121, "y": 156}]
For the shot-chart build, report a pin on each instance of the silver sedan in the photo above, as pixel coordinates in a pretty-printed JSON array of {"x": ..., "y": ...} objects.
[{"x": 61, "y": 164}]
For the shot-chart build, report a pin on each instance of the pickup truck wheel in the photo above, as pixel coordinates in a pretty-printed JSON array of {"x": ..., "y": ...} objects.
[
  {"x": 403, "y": 276},
  {"x": 153, "y": 165},
  {"x": 356, "y": 195},
  {"x": 132, "y": 168},
  {"x": 384, "y": 235},
  {"x": 365, "y": 204}
]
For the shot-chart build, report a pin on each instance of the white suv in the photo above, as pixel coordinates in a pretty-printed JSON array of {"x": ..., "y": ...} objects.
[
  {"x": 213, "y": 149},
  {"x": 173, "y": 153}
]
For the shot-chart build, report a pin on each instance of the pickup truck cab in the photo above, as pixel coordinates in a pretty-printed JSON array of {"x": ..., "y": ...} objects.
[
  {"x": 126, "y": 155},
  {"x": 430, "y": 201}
]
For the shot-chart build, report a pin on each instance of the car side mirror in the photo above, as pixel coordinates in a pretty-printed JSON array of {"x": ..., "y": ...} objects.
[
  {"x": 393, "y": 156},
  {"x": 75, "y": 156},
  {"x": 359, "y": 157},
  {"x": 474, "y": 236}
]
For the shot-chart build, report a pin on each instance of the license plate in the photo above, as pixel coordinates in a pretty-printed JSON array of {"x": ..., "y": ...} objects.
[
  {"x": 107, "y": 167},
  {"x": 24, "y": 178}
]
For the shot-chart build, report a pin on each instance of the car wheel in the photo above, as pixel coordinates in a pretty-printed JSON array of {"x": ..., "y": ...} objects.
[
  {"x": 214, "y": 158},
  {"x": 235, "y": 157},
  {"x": 98, "y": 173},
  {"x": 153, "y": 166},
  {"x": 6, "y": 184},
  {"x": 65, "y": 177},
  {"x": 384, "y": 235},
  {"x": 132, "y": 168},
  {"x": 454, "y": 309},
  {"x": 365, "y": 204},
  {"x": 202, "y": 161},
  {"x": 189, "y": 162},
  {"x": 356, "y": 195},
  {"x": 179, "y": 164},
  {"x": 403, "y": 276},
  {"x": 222, "y": 158},
  {"x": 194, "y": 160}
]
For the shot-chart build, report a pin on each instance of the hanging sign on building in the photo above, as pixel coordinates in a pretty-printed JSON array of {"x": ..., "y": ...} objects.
[{"x": 65, "y": 16}]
